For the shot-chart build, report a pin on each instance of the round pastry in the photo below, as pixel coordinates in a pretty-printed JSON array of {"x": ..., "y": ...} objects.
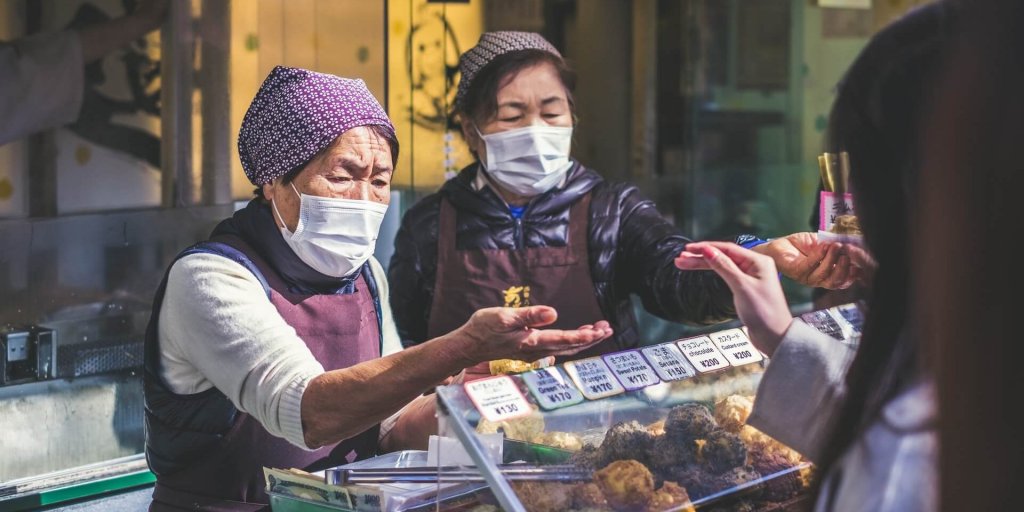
[
  {"x": 696, "y": 480},
  {"x": 666, "y": 454},
  {"x": 626, "y": 484},
  {"x": 588, "y": 457},
  {"x": 626, "y": 440},
  {"x": 670, "y": 497},
  {"x": 732, "y": 412},
  {"x": 688, "y": 422},
  {"x": 723, "y": 451}
]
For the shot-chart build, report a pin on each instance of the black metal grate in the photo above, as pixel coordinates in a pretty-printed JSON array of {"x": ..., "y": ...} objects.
[{"x": 81, "y": 359}]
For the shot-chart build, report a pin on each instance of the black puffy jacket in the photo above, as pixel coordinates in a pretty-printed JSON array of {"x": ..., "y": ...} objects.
[{"x": 631, "y": 246}]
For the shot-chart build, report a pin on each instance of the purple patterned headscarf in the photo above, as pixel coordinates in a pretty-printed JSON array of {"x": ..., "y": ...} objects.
[
  {"x": 296, "y": 114},
  {"x": 491, "y": 45}
]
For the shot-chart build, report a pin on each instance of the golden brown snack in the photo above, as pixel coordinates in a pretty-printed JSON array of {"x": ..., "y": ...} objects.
[
  {"x": 670, "y": 497},
  {"x": 688, "y": 422},
  {"x": 626, "y": 484},
  {"x": 666, "y": 454},
  {"x": 626, "y": 440},
  {"x": 732, "y": 412},
  {"x": 510, "y": 366},
  {"x": 544, "y": 496}
]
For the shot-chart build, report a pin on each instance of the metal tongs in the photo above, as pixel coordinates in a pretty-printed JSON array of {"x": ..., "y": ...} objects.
[{"x": 455, "y": 474}]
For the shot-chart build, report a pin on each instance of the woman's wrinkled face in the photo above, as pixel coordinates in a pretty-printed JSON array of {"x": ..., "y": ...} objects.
[
  {"x": 534, "y": 96},
  {"x": 357, "y": 165}
]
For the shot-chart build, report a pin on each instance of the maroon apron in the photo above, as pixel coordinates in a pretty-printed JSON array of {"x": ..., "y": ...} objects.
[
  {"x": 340, "y": 331},
  {"x": 468, "y": 280}
]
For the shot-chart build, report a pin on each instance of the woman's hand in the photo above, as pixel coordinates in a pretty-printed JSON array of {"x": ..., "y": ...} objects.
[
  {"x": 810, "y": 262},
  {"x": 754, "y": 282},
  {"x": 513, "y": 333}
]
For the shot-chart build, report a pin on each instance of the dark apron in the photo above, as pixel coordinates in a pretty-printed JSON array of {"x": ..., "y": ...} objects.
[
  {"x": 340, "y": 331},
  {"x": 468, "y": 280}
]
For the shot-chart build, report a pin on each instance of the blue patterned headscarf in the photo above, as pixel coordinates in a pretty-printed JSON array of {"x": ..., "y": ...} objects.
[{"x": 296, "y": 114}]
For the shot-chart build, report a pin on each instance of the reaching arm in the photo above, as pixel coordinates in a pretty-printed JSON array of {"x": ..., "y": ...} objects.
[{"x": 103, "y": 38}]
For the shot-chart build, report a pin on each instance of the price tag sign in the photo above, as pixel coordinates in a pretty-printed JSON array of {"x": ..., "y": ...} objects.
[
  {"x": 669, "y": 362},
  {"x": 737, "y": 347},
  {"x": 703, "y": 354},
  {"x": 593, "y": 378},
  {"x": 631, "y": 369},
  {"x": 552, "y": 388},
  {"x": 498, "y": 398}
]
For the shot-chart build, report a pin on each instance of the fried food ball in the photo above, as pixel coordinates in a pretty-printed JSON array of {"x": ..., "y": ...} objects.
[
  {"x": 588, "y": 457},
  {"x": 732, "y": 412},
  {"x": 735, "y": 477},
  {"x": 666, "y": 453},
  {"x": 722, "y": 451},
  {"x": 697, "y": 481},
  {"x": 544, "y": 496},
  {"x": 758, "y": 441},
  {"x": 688, "y": 422},
  {"x": 626, "y": 484},
  {"x": 588, "y": 496},
  {"x": 626, "y": 440},
  {"x": 670, "y": 497}
]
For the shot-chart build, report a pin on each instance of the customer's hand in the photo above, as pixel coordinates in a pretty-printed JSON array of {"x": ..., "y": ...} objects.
[
  {"x": 755, "y": 286},
  {"x": 811, "y": 262},
  {"x": 514, "y": 333}
]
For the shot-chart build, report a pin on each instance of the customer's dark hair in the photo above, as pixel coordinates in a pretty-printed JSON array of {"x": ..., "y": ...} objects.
[
  {"x": 480, "y": 104},
  {"x": 968, "y": 296},
  {"x": 877, "y": 119}
]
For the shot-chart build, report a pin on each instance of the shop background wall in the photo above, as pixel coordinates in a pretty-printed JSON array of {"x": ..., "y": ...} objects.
[
  {"x": 340, "y": 37},
  {"x": 424, "y": 43}
]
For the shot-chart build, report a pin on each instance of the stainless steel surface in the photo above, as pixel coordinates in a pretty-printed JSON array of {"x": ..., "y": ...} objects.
[
  {"x": 91, "y": 278},
  {"x": 567, "y": 473},
  {"x": 54, "y": 425}
]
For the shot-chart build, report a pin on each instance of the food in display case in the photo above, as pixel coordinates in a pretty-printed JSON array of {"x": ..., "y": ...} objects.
[{"x": 681, "y": 441}]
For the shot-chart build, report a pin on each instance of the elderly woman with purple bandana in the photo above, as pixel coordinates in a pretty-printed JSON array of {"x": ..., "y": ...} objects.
[
  {"x": 272, "y": 343},
  {"x": 528, "y": 224}
]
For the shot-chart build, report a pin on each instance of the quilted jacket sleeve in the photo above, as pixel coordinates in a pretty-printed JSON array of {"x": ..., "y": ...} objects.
[
  {"x": 411, "y": 272},
  {"x": 648, "y": 245}
]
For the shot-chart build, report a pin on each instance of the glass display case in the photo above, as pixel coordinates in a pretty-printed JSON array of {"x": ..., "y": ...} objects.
[{"x": 659, "y": 428}]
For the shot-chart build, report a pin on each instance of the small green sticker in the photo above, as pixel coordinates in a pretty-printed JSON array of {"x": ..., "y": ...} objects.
[
  {"x": 252, "y": 42},
  {"x": 363, "y": 54}
]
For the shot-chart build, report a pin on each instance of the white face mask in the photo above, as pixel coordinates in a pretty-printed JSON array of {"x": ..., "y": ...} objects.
[
  {"x": 528, "y": 161},
  {"x": 334, "y": 236}
]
